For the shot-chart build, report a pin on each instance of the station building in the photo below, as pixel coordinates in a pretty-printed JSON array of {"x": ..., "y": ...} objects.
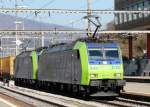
[{"x": 134, "y": 22}]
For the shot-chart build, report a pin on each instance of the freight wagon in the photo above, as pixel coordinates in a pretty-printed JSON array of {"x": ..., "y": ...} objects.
[{"x": 6, "y": 68}]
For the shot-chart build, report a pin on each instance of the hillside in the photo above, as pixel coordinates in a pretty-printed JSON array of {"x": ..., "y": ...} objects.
[{"x": 8, "y": 22}]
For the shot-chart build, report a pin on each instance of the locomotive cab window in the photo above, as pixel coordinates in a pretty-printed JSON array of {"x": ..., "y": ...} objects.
[
  {"x": 111, "y": 54},
  {"x": 95, "y": 54}
]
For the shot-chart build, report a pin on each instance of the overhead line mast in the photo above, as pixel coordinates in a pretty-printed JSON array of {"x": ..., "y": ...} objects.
[
  {"x": 89, "y": 13},
  {"x": 16, "y": 23}
]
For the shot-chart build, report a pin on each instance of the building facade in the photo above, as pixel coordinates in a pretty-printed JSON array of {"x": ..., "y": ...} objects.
[
  {"x": 135, "y": 22},
  {"x": 128, "y": 21},
  {"x": 132, "y": 21}
]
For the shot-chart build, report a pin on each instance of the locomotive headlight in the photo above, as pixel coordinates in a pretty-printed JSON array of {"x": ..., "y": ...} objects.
[
  {"x": 94, "y": 75},
  {"x": 118, "y": 75}
]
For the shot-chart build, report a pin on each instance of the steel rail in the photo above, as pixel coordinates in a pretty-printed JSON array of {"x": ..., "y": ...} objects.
[
  {"x": 124, "y": 102},
  {"x": 112, "y": 103},
  {"x": 120, "y": 102},
  {"x": 14, "y": 101},
  {"x": 49, "y": 102},
  {"x": 133, "y": 101},
  {"x": 64, "y": 101},
  {"x": 136, "y": 96}
]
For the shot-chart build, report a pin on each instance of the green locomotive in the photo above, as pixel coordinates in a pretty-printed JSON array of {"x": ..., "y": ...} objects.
[{"x": 85, "y": 67}]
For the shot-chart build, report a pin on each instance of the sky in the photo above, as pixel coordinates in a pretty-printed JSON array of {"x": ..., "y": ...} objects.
[{"x": 71, "y": 20}]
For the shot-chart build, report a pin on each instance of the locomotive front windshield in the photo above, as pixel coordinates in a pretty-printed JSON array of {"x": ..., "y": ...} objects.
[
  {"x": 95, "y": 54},
  {"x": 103, "y": 54},
  {"x": 111, "y": 54}
]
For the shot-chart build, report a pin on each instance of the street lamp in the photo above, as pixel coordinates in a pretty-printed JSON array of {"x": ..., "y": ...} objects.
[
  {"x": 1, "y": 46},
  {"x": 1, "y": 55},
  {"x": 16, "y": 24},
  {"x": 89, "y": 13}
]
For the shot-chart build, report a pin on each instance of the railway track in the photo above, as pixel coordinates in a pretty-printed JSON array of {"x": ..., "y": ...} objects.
[
  {"x": 122, "y": 102},
  {"x": 47, "y": 99},
  {"x": 13, "y": 102},
  {"x": 35, "y": 101},
  {"x": 129, "y": 100}
]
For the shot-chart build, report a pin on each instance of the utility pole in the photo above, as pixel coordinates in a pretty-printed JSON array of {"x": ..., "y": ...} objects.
[
  {"x": 89, "y": 13},
  {"x": 17, "y": 23},
  {"x": 16, "y": 15}
]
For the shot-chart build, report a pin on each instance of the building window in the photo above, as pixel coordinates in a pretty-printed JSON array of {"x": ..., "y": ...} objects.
[
  {"x": 141, "y": 7},
  {"x": 125, "y": 17},
  {"x": 117, "y": 19},
  {"x": 135, "y": 7},
  {"x": 146, "y": 7},
  {"x": 120, "y": 18},
  {"x": 130, "y": 15}
]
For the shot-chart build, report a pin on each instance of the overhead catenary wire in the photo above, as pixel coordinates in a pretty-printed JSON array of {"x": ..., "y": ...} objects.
[
  {"x": 27, "y": 16},
  {"x": 75, "y": 11},
  {"x": 39, "y": 32},
  {"x": 72, "y": 11}
]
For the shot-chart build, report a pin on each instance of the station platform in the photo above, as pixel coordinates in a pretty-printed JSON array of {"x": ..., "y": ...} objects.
[
  {"x": 11, "y": 101},
  {"x": 140, "y": 79},
  {"x": 138, "y": 88},
  {"x": 4, "y": 103}
]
